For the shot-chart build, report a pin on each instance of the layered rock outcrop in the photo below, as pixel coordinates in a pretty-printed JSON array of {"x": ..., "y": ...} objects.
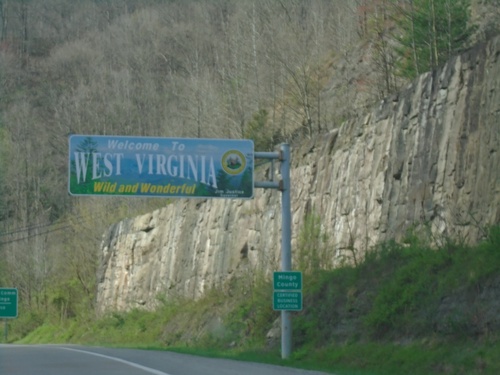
[{"x": 429, "y": 155}]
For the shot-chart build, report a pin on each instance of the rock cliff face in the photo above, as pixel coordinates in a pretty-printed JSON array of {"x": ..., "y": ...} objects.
[{"x": 430, "y": 154}]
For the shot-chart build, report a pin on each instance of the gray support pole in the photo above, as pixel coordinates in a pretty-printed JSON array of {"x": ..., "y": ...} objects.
[
  {"x": 286, "y": 245},
  {"x": 286, "y": 231}
]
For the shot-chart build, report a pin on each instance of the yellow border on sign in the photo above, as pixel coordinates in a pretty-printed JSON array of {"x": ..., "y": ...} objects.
[{"x": 234, "y": 171}]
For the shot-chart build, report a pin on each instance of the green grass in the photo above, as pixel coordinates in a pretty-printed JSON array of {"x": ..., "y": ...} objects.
[{"x": 405, "y": 309}]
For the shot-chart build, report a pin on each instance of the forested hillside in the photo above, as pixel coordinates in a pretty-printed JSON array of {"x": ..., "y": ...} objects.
[{"x": 268, "y": 70}]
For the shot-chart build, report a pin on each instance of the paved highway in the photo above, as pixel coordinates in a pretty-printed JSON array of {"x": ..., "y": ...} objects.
[{"x": 78, "y": 360}]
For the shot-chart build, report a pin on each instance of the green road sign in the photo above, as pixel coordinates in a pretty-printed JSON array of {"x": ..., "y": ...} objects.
[
  {"x": 8, "y": 303},
  {"x": 288, "y": 301},
  {"x": 287, "y": 280}
]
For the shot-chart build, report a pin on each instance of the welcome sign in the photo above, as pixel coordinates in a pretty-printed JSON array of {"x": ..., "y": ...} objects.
[{"x": 167, "y": 167}]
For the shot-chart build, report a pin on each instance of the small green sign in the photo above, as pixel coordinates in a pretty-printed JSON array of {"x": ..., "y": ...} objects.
[
  {"x": 287, "y": 280},
  {"x": 288, "y": 301},
  {"x": 8, "y": 303}
]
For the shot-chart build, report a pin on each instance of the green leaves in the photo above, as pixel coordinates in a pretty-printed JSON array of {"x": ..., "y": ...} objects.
[
  {"x": 431, "y": 32},
  {"x": 259, "y": 131}
]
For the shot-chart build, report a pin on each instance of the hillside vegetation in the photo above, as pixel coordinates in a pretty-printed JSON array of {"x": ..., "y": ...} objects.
[
  {"x": 405, "y": 309},
  {"x": 268, "y": 70}
]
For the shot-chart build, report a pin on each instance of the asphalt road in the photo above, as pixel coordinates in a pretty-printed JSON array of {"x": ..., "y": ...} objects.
[{"x": 77, "y": 360}]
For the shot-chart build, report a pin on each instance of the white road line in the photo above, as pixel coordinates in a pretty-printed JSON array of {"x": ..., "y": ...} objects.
[{"x": 132, "y": 364}]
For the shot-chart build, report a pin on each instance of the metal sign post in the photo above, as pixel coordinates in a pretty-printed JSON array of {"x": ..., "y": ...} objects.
[{"x": 286, "y": 232}]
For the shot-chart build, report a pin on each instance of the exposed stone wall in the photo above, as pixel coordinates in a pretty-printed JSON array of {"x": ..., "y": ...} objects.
[{"x": 430, "y": 154}]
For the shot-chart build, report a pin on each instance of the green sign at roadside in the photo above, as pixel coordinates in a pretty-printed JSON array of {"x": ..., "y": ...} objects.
[
  {"x": 288, "y": 301},
  {"x": 287, "y": 294},
  {"x": 287, "y": 280},
  {"x": 8, "y": 303}
]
